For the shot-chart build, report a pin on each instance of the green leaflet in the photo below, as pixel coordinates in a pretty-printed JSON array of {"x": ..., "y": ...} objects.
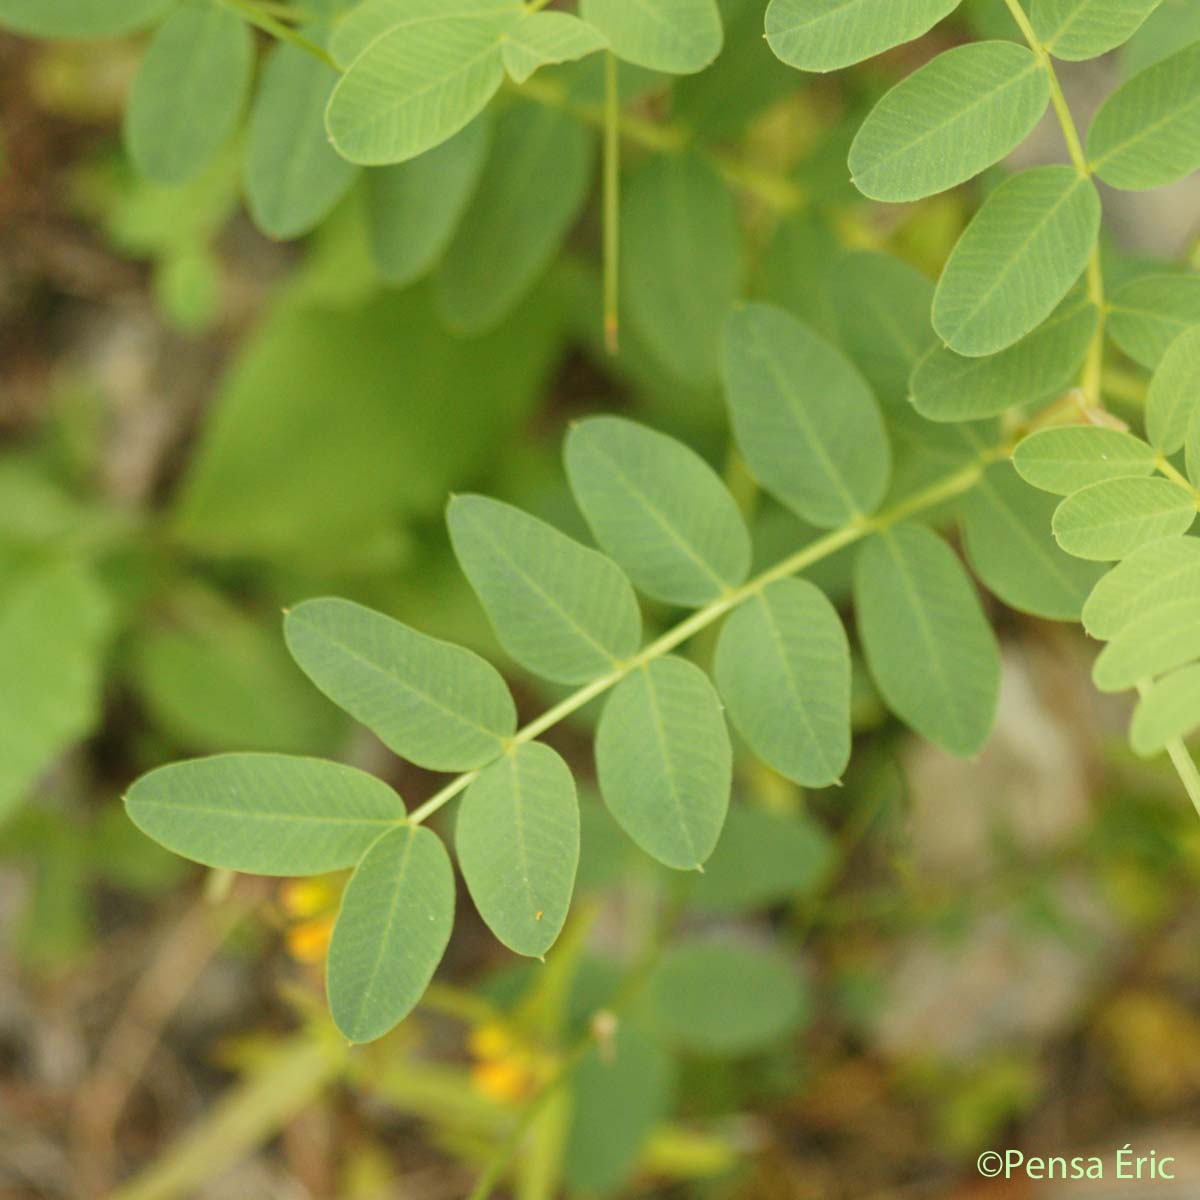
[
  {"x": 951, "y": 387},
  {"x": 783, "y": 670},
  {"x": 79, "y": 18},
  {"x": 1192, "y": 449},
  {"x": 927, "y": 643},
  {"x": 396, "y": 916},
  {"x": 548, "y": 37},
  {"x": 1011, "y": 548},
  {"x": 1078, "y": 29},
  {"x": 189, "y": 92},
  {"x": 1147, "y": 133},
  {"x": 1016, "y": 260},
  {"x": 414, "y": 207},
  {"x": 1111, "y": 519},
  {"x": 1172, "y": 24},
  {"x": 823, "y": 35},
  {"x": 416, "y": 84},
  {"x": 533, "y": 184},
  {"x": 367, "y": 22},
  {"x": 517, "y": 837},
  {"x": 54, "y": 627},
  {"x": 1170, "y": 709},
  {"x": 293, "y": 177},
  {"x": 1152, "y": 642},
  {"x": 949, "y": 120},
  {"x": 558, "y": 608},
  {"x": 664, "y": 761},
  {"x": 680, "y": 249},
  {"x": 722, "y": 997},
  {"x": 803, "y": 417},
  {"x": 676, "y": 36},
  {"x": 265, "y": 814},
  {"x": 1072, "y": 457},
  {"x": 1174, "y": 394},
  {"x": 436, "y": 704},
  {"x": 658, "y": 509},
  {"x": 1146, "y": 315},
  {"x": 1158, "y": 573}
]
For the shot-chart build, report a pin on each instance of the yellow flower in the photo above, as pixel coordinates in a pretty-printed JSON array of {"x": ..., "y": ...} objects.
[
  {"x": 308, "y": 897},
  {"x": 505, "y": 1080},
  {"x": 308, "y": 941}
]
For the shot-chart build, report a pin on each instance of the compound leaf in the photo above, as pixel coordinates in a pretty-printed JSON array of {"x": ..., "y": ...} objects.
[
  {"x": 1111, "y": 519},
  {"x": 804, "y": 418},
  {"x": 1152, "y": 642},
  {"x": 266, "y": 814},
  {"x": 517, "y": 838},
  {"x": 1174, "y": 394},
  {"x": 1160, "y": 572},
  {"x": 783, "y": 669},
  {"x": 664, "y": 761},
  {"x": 1073, "y": 457},
  {"x": 396, "y": 916},
  {"x": 949, "y": 120},
  {"x": 927, "y": 643},
  {"x": 558, "y": 608},
  {"x": 1169, "y": 709},
  {"x": 1016, "y": 260},
  {"x": 1146, "y": 315},
  {"x": 676, "y": 36},
  {"x": 1077, "y": 29},
  {"x": 548, "y": 37},
  {"x": 438, "y": 705},
  {"x": 658, "y": 509}
]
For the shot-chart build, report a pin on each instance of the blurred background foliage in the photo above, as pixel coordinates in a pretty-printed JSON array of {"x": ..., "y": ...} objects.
[{"x": 201, "y": 424}]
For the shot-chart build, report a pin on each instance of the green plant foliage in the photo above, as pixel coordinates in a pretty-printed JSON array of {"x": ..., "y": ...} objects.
[
  {"x": 715, "y": 997},
  {"x": 548, "y": 37},
  {"x": 1148, "y": 644},
  {"x": 830, "y": 34},
  {"x": 526, "y": 199},
  {"x": 1147, "y": 133},
  {"x": 680, "y": 238},
  {"x": 80, "y": 18},
  {"x": 664, "y": 761},
  {"x": 1157, "y": 573},
  {"x": 677, "y": 36},
  {"x": 783, "y": 669},
  {"x": 391, "y": 931},
  {"x": 804, "y": 418},
  {"x": 952, "y": 387},
  {"x": 268, "y": 814},
  {"x": 1108, "y": 520},
  {"x": 1174, "y": 394},
  {"x": 436, "y": 704},
  {"x": 1078, "y": 29},
  {"x": 1068, "y": 459},
  {"x": 558, "y": 608},
  {"x": 189, "y": 92},
  {"x": 929, "y": 647},
  {"x": 1148, "y": 314},
  {"x": 949, "y": 120},
  {"x": 1169, "y": 710},
  {"x": 1192, "y": 449},
  {"x": 658, "y": 509},
  {"x": 1016, "y": 261}
]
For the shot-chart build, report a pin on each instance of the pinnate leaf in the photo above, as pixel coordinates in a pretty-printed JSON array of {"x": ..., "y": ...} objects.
[
  {"x": 1111, "y": 519},
  {"x": 1079, "y": 29},
  {"x": 1174, "y": 394},
  {"x": 265, "y": 814},
  {"x": 1072, "y": 457},
  {"x": 1157, "y": 573},
  {"x": 676, "y": 36},
  {"x": 517, "y": 838},
  {"x": 396, "y": 916}
]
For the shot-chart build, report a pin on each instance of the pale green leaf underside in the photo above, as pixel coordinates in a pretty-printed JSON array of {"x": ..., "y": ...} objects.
[
  {"x": 1146, "y": 315},
  {"x": 658, "y": 509},
  {"x": 927, "y": 643},
  {"x": 1170, "y": 709},
  {"x": 1073, "y": 457},
  {"x": 1158, "y": 573},
  {"x": 396, "y": 916},
  {"x": 1079, "y": 29},
  {"x": 265, "y": 814},
  {"x": 676, "y": 36},
  {"x": 664, "y": 761},
  {"x": 1147, "y": 133},
  {"x": 189, "y": 91},
  {"x": 517, "y": 837},
  {"x": 436, "y": 704},
  {"x": 952, "y": 387},
  {"x": 559, "y": 608},
  {"x": 79, "y": 18},
  {"x": 949, "y": 120},
  {"x": 804, "y": 418},
  {"x": 548, "y": 37},
  {"x": 367, "y": 22},
  {"x": 1111, "y": 519},
  {"x": 1152, "y": 642},
  {"x": 1016, "y": 260},
  {"x": 783, "y": 669},
  {"x": 1011, "y": 548},
  {"x": 1174, "y": 394},
  {"x": 825, "y": 35}
]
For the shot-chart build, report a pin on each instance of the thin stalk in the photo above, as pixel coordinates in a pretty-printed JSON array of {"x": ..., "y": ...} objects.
[
  {"x": 612, "y": 203},
  {"x": 1182, "y": 761},
  {"x": 260, "y": 17}
]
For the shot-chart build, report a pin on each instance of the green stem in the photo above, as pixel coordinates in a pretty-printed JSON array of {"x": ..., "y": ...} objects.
[
  {"x": 612, "y": 202},
  {"x": 260, "y": 16}
]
